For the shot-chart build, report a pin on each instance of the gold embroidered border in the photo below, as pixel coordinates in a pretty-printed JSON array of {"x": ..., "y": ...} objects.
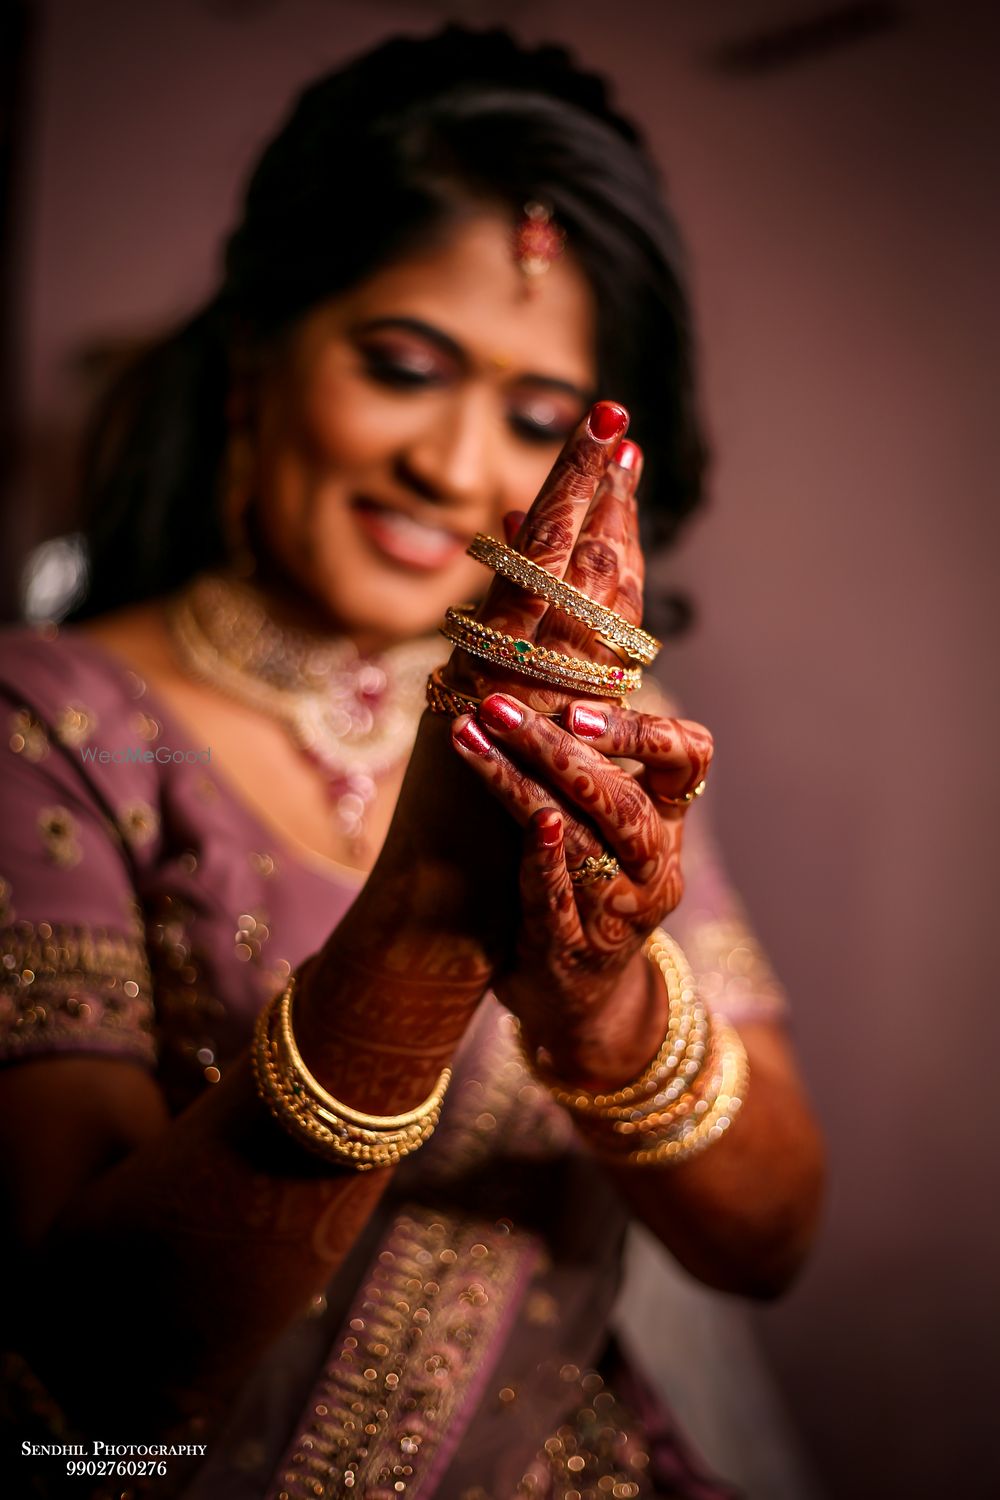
[
  {"x": 413, "y": 1347},
  {"x": 66, "y": 981}
]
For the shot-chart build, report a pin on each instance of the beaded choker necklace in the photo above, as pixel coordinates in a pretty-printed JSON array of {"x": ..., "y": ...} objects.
[{"x": 354, "y": 716}]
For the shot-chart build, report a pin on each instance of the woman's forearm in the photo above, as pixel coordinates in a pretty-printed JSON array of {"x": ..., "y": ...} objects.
[
  {"x": 194, "y": 1252},
  {"x": 742, "y": 1215}
]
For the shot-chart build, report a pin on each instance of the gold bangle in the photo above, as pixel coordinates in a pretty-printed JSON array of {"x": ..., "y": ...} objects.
[
  {"x": 687, "y": 1097},
  {"x": 570, "y": 673},
  {"x": 677, "y": 1063},
  {"x": 718, "y": 1113},
  {"x": 611, "y": 628},
  {"x": 442, "y": 698},
  {"x": 314, "y": 1117}
]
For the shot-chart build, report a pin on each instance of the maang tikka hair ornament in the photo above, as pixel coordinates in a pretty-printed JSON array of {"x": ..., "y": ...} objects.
[{"x": 538, "y": 241}]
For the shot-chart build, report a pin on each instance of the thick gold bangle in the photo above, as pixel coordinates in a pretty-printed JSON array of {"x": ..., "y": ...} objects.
[
  {"x": 312, "y": 1115},
  {"x": 570, "y": 673},
  {"x": 611, "y": 628}
]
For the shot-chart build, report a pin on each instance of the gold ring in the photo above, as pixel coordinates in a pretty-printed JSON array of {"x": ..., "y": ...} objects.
[
  {"x": 571, "y": 673},
  {"x": 595, "y": 867},
  {"x": 687, "y": 798},
  {"x": 611, "y": 628}
]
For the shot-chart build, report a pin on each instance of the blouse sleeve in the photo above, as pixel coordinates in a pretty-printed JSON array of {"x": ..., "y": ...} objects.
[
  {"x": 74, "y": 974},
  {"x": 712, "y": 924}
]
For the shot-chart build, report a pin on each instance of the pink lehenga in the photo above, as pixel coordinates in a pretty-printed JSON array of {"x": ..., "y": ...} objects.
[{"x": 467, "y": 1349}]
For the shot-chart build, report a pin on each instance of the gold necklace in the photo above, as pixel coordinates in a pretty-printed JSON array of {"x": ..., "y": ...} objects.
[{"x": 353, "y": 716}]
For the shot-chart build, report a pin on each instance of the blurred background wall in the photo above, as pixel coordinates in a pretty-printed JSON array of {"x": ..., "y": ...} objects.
[{"x": 834, "y": 168}]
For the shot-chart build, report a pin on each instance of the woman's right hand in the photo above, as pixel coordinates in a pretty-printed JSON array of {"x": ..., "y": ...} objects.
[{"x": 448, "y": 855}]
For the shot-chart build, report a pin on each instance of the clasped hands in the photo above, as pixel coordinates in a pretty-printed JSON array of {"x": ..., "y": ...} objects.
[{"x": 577, "y": 980}]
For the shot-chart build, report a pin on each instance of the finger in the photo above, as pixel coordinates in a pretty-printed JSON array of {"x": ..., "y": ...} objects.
[
  {"x": 512, "y": 523},
  {"x": 549, "y": 913},
  {"x": 607, "y": 796},
  {"x": 632, "y": 573},
  {"x": 606, "y": 546},
  {"x": 553, "y": 523},
  {"x": 519, "y": 792},
  {"x": 675, "y": 753}
]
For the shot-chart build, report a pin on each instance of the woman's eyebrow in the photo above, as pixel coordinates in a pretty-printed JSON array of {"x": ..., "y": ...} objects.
[{"x": 455, "y": 351}]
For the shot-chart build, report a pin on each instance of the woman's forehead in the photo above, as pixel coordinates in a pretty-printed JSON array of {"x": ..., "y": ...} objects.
[{"x": 470, "y": 287}]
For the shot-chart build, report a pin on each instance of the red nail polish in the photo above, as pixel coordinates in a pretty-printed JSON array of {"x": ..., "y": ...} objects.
[
  {"x": 498, "y": 712},
  {"x": 472, "y": 737},
  {"x": 512, "y": 523},
  {"x": 549, "y": 834},
  {"x": 628, "y": 456},
  {"x": 588, "y": 722},
  {"x": 607, "y": 420}
]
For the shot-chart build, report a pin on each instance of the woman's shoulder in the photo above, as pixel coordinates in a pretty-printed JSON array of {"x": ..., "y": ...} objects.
[{"x": 71, "y": 678}]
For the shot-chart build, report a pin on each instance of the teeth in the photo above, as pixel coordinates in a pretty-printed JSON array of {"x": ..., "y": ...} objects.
[{"x": 429, "y": 540}]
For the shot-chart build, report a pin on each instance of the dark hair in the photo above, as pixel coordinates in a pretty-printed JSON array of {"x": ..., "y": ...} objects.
[{"x": 371, "y": 161}]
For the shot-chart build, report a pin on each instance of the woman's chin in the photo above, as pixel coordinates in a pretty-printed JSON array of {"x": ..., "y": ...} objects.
[{"x": 382, "y": 611}]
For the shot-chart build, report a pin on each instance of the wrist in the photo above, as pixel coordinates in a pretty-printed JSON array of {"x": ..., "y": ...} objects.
[
  {"x": 617, "y": 1042},
  {"x": 376, "y": 1023}
]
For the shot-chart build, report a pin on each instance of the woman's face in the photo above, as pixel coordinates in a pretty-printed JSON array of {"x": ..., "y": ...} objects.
[{"x": 411, "y": 413}]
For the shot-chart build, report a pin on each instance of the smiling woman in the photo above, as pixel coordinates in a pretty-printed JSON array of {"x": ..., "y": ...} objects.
[
  {"x": 356, "y": 1049},
  {"x": 412, "y": 412}
]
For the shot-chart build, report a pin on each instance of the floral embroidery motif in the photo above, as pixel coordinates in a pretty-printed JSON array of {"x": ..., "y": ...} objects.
[
  {"x": 58, "y": 829},
  {"x": 418, "y": 1342},
  {"x": 60, "y": 982},
  {"x": 74, "y": 725},
  {"x": 28, "y": 736},
  {"x": 138, "y": 823}
]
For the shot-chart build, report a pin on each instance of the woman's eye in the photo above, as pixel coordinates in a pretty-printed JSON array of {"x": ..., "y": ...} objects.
[
  {"x": 543, "y": 419},
  {"x": 401, "y": 368}
]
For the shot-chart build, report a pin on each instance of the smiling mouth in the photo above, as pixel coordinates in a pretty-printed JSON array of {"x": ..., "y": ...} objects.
[{"x": 420, "y": 545}]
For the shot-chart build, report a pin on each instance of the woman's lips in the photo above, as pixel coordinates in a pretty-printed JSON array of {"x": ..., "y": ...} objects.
[{"x": 415, "y": 544}]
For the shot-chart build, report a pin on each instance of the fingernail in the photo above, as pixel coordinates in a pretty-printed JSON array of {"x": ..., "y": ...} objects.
[
  {"x": 607, "y": 420},
  {"x": 512, "y": 523},
  {"x": 550, "y": 833},
  {"x": 628, "y": 456},
  {"x": 497, "y": 712},
  {"x": 472, "y": 737},
  {"x": 588, "y": 722}
]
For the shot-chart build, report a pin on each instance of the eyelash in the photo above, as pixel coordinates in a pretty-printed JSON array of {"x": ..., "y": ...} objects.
[{"x": 400, "y": 377}]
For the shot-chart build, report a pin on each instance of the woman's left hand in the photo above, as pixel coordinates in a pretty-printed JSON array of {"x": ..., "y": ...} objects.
[{"x": 578, "y": 983}]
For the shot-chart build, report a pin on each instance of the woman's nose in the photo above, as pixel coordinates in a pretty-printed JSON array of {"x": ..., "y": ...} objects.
[{"x": 452, "y": 459}]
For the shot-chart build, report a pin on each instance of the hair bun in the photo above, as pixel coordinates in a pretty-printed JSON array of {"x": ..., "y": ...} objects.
[{"x": 405, "y": 70}]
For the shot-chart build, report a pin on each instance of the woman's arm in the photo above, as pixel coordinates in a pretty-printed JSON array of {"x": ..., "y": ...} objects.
[
  {"x": 193, "y": 1242},
  {"x": 158, "y": 1258},
  {"x": 742, "y": 1215}
]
